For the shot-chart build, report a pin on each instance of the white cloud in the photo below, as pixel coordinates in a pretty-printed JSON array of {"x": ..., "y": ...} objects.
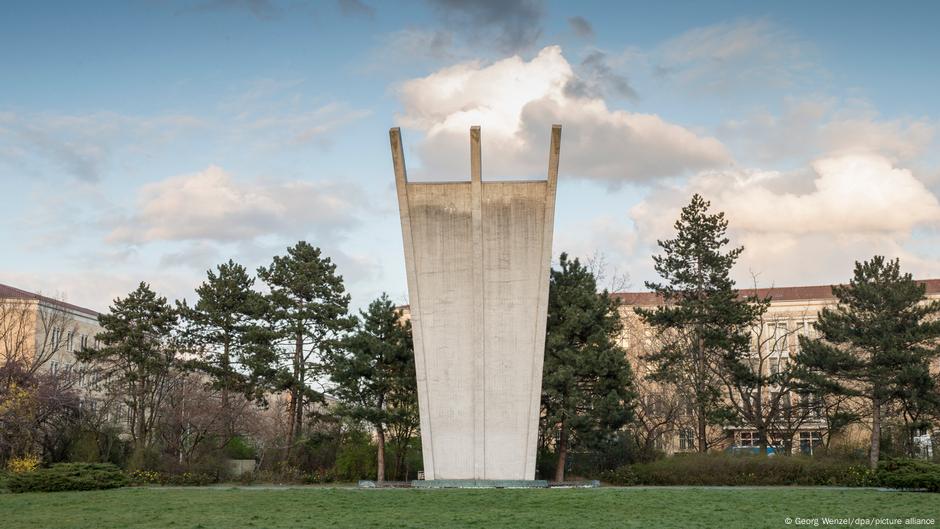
[
  {"x": 211, "y": 205},
  {"x": 811, "y": 127},
  {"x": 516, "y": 101},
  {"x": 859, "y": 205}
]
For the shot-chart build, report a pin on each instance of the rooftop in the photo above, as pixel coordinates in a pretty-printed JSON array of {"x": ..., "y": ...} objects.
[
  {"x": 8, "y": 292},
  {"x": 804, "y": 293}
]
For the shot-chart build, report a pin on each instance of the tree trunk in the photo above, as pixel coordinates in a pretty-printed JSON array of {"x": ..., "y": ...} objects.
[
  {"x": 875, "y": 433},
  {"x": 226, "y": 405},
  {"x": 762, "y": 436},
  {"x": 562, "y": 454},
  {"x": 380, "y": 458},
  {"x": 297, "y": 421},
  {"x": 699, "y": 395}
]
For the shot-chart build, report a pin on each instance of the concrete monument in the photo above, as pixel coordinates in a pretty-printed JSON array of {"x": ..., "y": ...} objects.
[{"x": 478, "y": 256}]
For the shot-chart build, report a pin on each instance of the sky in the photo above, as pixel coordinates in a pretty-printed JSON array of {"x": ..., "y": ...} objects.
[{"x": 148, "y": 140}]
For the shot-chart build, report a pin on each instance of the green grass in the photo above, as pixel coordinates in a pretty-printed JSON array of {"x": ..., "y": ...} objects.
[{"x": 347, "y": 507}]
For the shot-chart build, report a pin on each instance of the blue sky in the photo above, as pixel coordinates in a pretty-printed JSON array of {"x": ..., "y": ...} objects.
[{"x": 151, "y": 140}]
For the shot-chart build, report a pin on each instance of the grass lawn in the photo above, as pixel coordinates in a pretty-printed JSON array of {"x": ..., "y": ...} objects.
[{"x": 348, "y": 507}]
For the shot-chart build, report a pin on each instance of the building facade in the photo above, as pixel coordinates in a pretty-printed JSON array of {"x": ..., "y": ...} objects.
[
  {"x": 42, "y": 334},
  {"x": 665, "y": 419}
]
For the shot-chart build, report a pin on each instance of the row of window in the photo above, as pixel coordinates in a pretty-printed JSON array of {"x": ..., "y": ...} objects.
[
  {"x": 57, "y": 341},
  {"x": 84, "y": 378},
  {"x": 808, "y": 440}
]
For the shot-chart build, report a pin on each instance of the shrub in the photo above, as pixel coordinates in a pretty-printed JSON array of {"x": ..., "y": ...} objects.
[
  {"x": 239, "y": 448},
  {"x": 909, "y": 474},
  {"x": 723, "y": 469},
  {"x": 69, "y": 476},
  {"x": 21, "y": 465},
  {"x": 151, "y": 477}
]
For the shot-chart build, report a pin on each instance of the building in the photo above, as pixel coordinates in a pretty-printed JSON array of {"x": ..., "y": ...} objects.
[
  {"x": 664, "y": 415},
  {"x": 42, "y": 334}
]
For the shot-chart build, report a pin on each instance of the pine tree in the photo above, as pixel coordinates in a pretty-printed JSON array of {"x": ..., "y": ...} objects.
[
  {"x": 877, "y": 343},
  {"x": 308, "y": 309},
  {"x": 702, "y": 323},
  {"x": 137, "y": 353},
  {"x": 224, "y": 327},
  {"x": 587, "y": 384},
  {"x": 374, "y": 374}
]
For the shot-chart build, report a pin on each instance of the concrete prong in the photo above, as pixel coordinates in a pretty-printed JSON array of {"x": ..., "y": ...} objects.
[
  {"x": 398, "y": 155},
  {"x": 476, "y": 163},
  {"x": 553, "y": 155}
]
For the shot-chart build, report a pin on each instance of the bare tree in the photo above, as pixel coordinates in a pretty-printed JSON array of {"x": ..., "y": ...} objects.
[{"x": 33, "y": 331}]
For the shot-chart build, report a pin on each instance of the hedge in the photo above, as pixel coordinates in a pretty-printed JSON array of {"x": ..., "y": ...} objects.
[
  {"x": 724, "y": 469},
  {"x": 69, "y": 476},
  {"x": 910, "y": 474}
]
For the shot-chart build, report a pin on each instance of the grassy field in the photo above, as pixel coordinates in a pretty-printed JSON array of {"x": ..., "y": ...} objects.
[{"x": 348, "y": 507}]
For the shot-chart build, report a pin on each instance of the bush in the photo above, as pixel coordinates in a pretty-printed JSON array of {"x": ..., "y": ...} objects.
[
  {"x": 239, "y": 448},
  {"x": 69, "y": 476},
  {"x": 356, "y": 457},
  {"x": 723, "y": 469},
  {"x": 20, "y": 465},
  {"x": 151, "y": 477},
  {"x": 909, "y": 474}
]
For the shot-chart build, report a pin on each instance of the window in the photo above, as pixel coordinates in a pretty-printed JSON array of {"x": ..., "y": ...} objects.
[
  {"x": 775, "y": 365},
  {"x": 56, "y": 338},
  {"x": 83, "y": 341},
  {"x": 778, "y": 342},
  {"x": 748, "y": 439},
  {"x": 686, "y": 439},
  {"x": 804, "y": 328},
  {"x": 53, "y": 367},
  {"x": 70, "y": 345},
  {"x": 656, "y": 404},
  {"x": 811, "y": 404},
  {"x": 809, "y": 441}
]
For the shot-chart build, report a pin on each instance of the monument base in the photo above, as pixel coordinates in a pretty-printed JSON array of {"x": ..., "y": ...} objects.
[{"x": 479, "y": 484}]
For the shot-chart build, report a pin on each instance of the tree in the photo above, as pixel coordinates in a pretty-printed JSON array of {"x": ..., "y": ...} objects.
[
  {"x": 587, "y": 384},
  {"x": 138, "y": 355},
  {"x": 32, "y": 331},
  {"x": 374, "y": 374},
  {"x": 702, "y": 322},
  {"x": 225, "y": 329},
  {"x": 876, "y": 343},
  {"x": 308, "y": 310}
]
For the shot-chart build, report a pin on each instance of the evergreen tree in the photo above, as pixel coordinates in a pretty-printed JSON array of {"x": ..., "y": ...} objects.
[
  {"x": 137, "y": 354},
  {"x": 877, "y": 344},
  {"x": 308, "y": 310},
  {"x": 224, "y": 328},
  {"x": 587, "y": 384},
  {"x": 703, "y": 323},
  {"x": 374, "y": 374}
]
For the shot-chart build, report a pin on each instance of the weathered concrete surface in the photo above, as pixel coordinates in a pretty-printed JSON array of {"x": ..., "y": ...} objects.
[{"x": 477, "y": 256}]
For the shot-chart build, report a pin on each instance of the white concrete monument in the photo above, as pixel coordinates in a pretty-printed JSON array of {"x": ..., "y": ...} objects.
[{"x": 478, "y": 256}]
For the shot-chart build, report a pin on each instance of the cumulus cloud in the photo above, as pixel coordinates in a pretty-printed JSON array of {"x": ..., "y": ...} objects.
[
  {"x": 509, "y": 25},
  {"x": 212, "y": 206},
  {"x": 596, "y": 78},
  {"x": 516, "y": 101},
  {"x": 859, "y": 205},
  {"x": 811, "y": 127}
]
